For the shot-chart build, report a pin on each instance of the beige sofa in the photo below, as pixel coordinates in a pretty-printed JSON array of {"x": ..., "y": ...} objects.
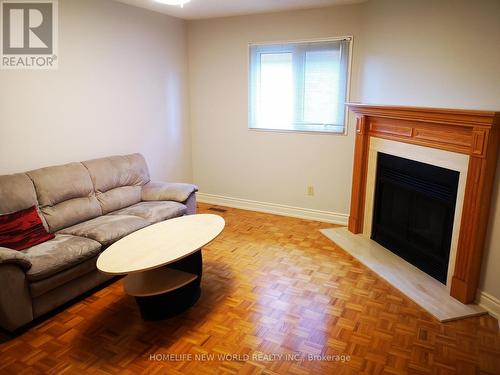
[{"x": 88, "y": 205}]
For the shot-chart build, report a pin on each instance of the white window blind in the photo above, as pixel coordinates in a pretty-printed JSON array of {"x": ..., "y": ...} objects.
[{"x": 299, "y": 86}]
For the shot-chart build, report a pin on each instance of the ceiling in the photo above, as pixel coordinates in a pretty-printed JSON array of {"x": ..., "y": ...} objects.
[{"x": 197, "y": 9}]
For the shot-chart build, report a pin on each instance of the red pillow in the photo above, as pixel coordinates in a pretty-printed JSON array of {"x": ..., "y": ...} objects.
[{"x": 23, "y": 229}]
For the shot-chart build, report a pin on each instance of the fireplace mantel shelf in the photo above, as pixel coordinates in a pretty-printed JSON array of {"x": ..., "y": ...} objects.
[
  {"x": 470, "y": 132},
  {"x": 467, "y": 116}
]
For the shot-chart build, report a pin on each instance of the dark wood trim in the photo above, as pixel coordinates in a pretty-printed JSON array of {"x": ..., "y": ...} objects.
[
  {"x": 465, "y": 117},
  {"x": 355, "y": 223},
  {"x": 474, "y": 133}
]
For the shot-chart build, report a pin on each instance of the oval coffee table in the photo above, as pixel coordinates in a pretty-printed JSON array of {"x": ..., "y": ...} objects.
[{"x": 163, "y": 263}]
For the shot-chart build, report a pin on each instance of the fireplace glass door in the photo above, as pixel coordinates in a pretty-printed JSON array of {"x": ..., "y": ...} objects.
[{"x": 414, "y": 211}]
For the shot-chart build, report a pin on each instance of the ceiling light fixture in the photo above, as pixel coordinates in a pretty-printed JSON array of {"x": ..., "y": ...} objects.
[{"x": 173, "y": 2}]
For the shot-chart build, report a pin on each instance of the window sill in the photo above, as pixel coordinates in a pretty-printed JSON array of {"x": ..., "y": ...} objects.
[{"x": 307, "y": 131}]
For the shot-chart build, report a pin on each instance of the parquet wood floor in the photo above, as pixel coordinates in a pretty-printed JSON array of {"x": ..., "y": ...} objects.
[{"x": 271, "y": 285}]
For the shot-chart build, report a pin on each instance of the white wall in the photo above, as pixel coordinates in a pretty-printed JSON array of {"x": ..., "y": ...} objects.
[
  {"x": 121, "y": 87},
  {"x": 229, "y": 159},
  {"x": 432, "y": 53},
  {"x": 424, "y": 53}
]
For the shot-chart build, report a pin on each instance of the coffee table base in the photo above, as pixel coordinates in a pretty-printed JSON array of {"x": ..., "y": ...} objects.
[
  {"x": 168, "y": 305},
  {"x": 171, "y": 303}
]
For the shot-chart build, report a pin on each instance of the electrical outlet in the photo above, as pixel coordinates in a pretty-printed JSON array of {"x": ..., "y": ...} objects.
[{"x": 310, "y": 190}]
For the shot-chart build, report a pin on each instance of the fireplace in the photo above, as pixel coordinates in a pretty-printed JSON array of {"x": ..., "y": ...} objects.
[
  {"x": 469, "y": 135},
  {"x": 414, "y": 207}
]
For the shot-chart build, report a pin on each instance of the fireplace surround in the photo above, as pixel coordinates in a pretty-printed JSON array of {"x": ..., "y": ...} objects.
[{"x": 471, "y": 137}]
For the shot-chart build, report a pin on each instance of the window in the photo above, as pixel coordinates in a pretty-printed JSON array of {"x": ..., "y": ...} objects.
[{"x": 299, "y": 86}]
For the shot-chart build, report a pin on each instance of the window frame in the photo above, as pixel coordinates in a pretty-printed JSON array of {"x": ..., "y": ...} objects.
[{"x": 290, "y": 42}]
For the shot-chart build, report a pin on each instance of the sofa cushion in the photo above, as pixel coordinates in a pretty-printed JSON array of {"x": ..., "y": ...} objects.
[
  {"x": 118, "y": 180},
  {"x": 153, "y": 212},
  {"x": 107, "y": 229},
  {"x": 66, "y": 292},
  {"x": 23, "y": 229},
  {"x": 59, "y": 254},
  {"x": 37, "y": 288},
  {"x": 16, "y": 193},
  {"x": 65, "y": 195}
]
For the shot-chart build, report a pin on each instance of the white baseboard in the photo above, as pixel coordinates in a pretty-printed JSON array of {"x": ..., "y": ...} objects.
[
  {"x": 273, "y": 208},
  {"x": 490, "y": 303}
]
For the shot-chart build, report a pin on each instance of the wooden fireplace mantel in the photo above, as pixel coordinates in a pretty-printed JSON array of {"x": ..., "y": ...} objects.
[{"x": 470, "y": 132}]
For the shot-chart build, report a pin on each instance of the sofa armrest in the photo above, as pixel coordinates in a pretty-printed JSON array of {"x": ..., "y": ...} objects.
[
  {"x": 190, "y": 204},
  {"x": 167, "y": 191},
  {"x": 15, "y": 299},
  {"x": 9, "y": 256}
]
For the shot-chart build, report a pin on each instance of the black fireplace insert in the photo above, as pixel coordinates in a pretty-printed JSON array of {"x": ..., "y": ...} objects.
[{"x": 414, "y": 211}]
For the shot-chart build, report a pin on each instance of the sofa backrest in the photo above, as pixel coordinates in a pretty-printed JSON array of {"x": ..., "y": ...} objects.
[
  {"x": 65, "y": 195},
  {"x": 71, "y": 193},
  {"x": 118, "y": 180},
  {"x": 16, "y": 193}
]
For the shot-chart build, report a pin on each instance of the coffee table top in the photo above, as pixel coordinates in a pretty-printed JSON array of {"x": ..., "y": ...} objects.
[{"x": 160, "y": 244}]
